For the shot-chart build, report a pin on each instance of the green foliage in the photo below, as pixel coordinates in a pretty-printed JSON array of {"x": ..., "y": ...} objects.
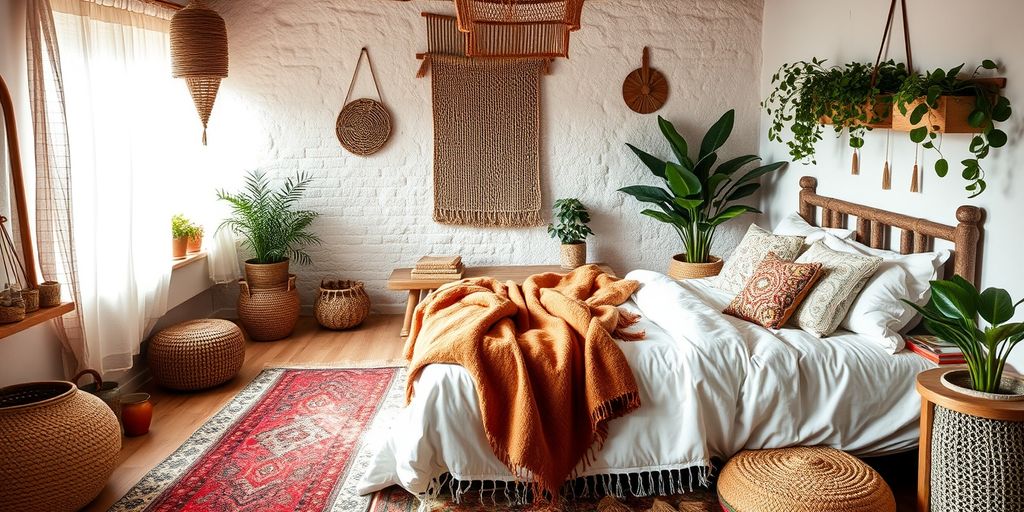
[
  {"x": 572, "y": 220},
  {"x": 804, "y": 92},
  {"x": 990, "y": 107},
  {"x": 271, "y": 227},
  {"x": 951, "y": 315},
  {"x": 698, "y": 196},
  {"x": 181, "y": 227}
]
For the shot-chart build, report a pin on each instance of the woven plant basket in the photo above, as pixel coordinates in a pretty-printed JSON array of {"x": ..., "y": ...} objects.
[
  {"x": 341, "y": 304},
  {"x": 679, "y": 269},
  {"x": 31, "y": 298},
  {"x": 11, "y": 314},
  {"x": 268, "y": 314},
  {"x": 197, "y": 354},
  {"x": 977, "y": 463},
  {"x": 58, "y": 448},
  {"x": 573, "y": 255},
  {"x": 815, "y": 479},
  {"x": 266, "y": 275},
  {"x": 49, "y": 294}
]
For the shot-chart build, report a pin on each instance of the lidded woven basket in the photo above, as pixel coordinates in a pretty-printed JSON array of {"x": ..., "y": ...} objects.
[
  {"x": 197, "y": 354},
  {"x": 268, "y": 314},
  {"x": 341, "y": 304},
  {"x": 58, "y": 448}
]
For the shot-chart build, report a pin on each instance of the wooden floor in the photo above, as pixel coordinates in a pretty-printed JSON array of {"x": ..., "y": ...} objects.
[{"x": 178, "y": 415}]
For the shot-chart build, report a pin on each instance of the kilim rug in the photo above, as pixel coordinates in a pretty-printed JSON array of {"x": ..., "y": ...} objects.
[
  {"x": 396, "y": 499},
  {"x": 292, "y": 440}
]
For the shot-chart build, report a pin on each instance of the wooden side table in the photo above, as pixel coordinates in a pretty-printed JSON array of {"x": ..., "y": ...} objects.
[
  {"x": 402, "y": 279},
  {"x": 934, "y": 393}
]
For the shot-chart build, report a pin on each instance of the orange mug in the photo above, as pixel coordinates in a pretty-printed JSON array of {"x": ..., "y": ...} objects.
[{"x": 136, "y": 413}]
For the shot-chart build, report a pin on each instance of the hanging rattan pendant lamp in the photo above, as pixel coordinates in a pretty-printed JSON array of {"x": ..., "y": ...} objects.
[{"x": 199, "y": 54}]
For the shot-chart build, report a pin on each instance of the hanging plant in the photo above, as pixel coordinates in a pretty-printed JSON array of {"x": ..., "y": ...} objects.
[
  {"x": 806, "y": 95},
  {"x": 939, "y": 102}
]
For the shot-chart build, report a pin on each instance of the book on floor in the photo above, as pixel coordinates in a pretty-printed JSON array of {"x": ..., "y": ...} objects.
[{"x": 934, "y": 349}]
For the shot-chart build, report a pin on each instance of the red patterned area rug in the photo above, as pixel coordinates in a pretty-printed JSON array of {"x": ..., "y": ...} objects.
[
  {"x": 396, "y": 499},
  {"x": 292, "y": 440}
]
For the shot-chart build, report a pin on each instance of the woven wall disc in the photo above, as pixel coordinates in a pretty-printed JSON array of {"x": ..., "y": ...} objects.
[
  {"x": 646, "y": 89},
  {"x": 363, "y": 127}
]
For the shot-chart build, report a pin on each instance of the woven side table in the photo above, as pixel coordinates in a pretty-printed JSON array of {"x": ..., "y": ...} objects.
[
  {"x": 971, "y": 450},
  {"x": 197, "y": 354}
]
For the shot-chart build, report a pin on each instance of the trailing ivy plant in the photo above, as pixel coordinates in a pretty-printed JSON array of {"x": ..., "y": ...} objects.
[
  {"x": 572, "y": 220},
  {"x": 804, "y": 92},
  {"x": 990, "y": 107}
]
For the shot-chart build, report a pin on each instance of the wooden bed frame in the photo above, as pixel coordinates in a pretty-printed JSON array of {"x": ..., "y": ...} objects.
[{"x": 874, "y": 227}]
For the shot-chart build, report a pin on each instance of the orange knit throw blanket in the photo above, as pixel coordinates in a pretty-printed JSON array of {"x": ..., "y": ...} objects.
[{"x": 548, "y": 374}]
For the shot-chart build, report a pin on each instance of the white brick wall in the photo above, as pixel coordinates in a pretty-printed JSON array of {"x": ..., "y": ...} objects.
[{"x": 291, "y": 61}]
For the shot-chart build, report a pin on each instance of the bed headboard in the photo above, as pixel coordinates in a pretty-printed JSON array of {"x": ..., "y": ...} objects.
[{"x": 874, "y": 227}]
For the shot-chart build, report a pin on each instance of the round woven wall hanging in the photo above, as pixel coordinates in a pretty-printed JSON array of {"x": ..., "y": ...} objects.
[
  {"x": 364, "y": 125},
  {"x": 646, "y": 89}
]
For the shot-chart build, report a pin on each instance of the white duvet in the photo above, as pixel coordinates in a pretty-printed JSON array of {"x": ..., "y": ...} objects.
[{"x": 710, "y": 386}]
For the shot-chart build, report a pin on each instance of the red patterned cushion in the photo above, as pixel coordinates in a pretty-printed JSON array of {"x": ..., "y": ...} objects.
[{"x": 774, "y": 291}]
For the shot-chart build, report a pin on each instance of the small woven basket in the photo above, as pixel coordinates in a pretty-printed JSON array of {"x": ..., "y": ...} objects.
[
  {"x": 573, "y": 255},
  {"x": 679, "y": 269},
  {"x": 341, "y": 304},
  {"x": 266, "y": 275},
  {"x": 13, "y": 313},
  {"x": 58, "y": 448},
  {"x": 31, "y": 298},
  {"x": 197, "y": 354},
  {"x": 268, "y": 314},
  {"x": 49, "y": 294}
]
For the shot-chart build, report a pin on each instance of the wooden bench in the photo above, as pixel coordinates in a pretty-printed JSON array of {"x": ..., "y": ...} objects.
[{"x": 401, "y": 279}]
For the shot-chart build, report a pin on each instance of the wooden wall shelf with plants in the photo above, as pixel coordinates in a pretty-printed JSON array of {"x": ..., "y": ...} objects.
[{"x": 35, "y": 318}]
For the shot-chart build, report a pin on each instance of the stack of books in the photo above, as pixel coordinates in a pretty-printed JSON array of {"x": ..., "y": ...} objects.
[
  {"x": 934, "y": 349},
  {"x": 439, "y": 267}
]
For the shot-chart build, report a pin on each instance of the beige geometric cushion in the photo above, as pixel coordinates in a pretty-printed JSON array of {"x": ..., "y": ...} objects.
[
  {"x": 756, "y": 244},
  {"x": 843, "y": 276}
]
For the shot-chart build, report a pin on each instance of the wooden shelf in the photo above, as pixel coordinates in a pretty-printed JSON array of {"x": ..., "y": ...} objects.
[{"x": 35, "y": 318}]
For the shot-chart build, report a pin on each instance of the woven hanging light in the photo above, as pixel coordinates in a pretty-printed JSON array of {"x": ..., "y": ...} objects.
[
  {"x": 518, "y": 28},
  {"x": 199, "y": 54}
]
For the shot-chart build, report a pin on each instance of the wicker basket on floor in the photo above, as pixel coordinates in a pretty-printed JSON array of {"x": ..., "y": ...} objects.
[
  {"x": 197, "y": 354},
  {"x": 341, "y": 304},
  {"x": 268, "y": 314},
  {"x": 58, "y": 448},
  {"x": 817, "y": 479}
]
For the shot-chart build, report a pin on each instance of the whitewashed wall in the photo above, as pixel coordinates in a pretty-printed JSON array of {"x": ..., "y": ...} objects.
[
  {"x": 944, "y": 34},
  {"x": 291, "y": 62}
]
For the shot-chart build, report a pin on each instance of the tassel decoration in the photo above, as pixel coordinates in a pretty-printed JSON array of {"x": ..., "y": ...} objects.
[
  {"x": 886, "y": 177},
  {"x": 914, "y": 185},
  {"x": 855, "y": 164}
]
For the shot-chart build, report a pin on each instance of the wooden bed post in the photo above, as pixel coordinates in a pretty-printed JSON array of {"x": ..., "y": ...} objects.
[
  {"x": 966, "y": 236},
  {"x": 808, "y": 187}
]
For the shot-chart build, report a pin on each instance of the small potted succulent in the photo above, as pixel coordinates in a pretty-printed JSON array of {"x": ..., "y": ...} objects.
[
  {"x": 181, "y": 229},
  {"x": 571, "y": 228}
]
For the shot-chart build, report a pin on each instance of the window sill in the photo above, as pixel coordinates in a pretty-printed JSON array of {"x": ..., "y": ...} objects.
[{"x": 188, "y": 260}]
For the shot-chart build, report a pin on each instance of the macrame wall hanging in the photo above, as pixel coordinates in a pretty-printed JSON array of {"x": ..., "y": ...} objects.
[
  {"x": 518, "y": 28},
  {"x": 645, "y": 90},
  {"x": 487, "y": 125},
  {"x": 199, "y": 54},
  {"x": 364, "y": 125}
]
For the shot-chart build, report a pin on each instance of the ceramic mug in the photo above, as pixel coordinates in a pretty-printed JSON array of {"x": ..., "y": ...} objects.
[{"x": 136, "y": 413}]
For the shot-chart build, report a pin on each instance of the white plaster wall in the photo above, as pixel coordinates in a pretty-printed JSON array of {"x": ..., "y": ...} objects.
[
  {"x": 291, "y": 62},
  {"x": 944, "y": 34}
]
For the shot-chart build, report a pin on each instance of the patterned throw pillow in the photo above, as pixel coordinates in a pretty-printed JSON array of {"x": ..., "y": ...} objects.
[
  {"x": 843, "y": 276},
  {"x": 756, "y": 244},
  {"x": 774, "y": 292}
]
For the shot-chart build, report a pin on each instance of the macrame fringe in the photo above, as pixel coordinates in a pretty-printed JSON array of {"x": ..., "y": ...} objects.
[
  {"x": 915, "y": 185},
  {"x": 488, "y": 219},
  {"x": 886, "y": 177},
  {"x": 855, "y": 164}
]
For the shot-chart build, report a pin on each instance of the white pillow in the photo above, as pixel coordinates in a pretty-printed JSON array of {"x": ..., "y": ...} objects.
[
  {"x": 878, "y": 311},
  {"x": 795, "y": 225}
]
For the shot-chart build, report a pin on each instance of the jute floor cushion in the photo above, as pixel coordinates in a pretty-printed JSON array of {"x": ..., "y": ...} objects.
[
  {"x": 807, "y": 479},
  {"x": 197, "y": 354}
]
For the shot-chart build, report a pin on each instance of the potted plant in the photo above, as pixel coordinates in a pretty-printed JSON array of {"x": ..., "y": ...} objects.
[
  {"x": 698, "y": 197},
  {"x": 572, "y": 230},
  {"x": 808, "y": 95},
  {"x": 272, "y": 229},
  {"x": 951, "y": 315},
  {"x": 180, "y": 231},
  {"x": 941, "y": 102},
  {"x": 195, "y": 238}
]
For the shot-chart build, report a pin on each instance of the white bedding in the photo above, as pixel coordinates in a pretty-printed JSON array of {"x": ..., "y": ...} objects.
[{"x": 710, "y": 385}]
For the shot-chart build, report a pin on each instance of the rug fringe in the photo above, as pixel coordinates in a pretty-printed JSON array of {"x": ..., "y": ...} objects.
[{"x": 348, "y": 364}]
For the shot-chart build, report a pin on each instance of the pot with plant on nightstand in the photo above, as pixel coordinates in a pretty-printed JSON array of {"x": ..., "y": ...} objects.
[
  {"x": 698, "y": 197},
  {"x": 571, "y": 228}
]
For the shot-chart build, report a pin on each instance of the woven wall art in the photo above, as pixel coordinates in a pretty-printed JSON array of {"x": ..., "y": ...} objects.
[
  {"x": 364, "y": 125},
  {"x": 518, "y": 28}
]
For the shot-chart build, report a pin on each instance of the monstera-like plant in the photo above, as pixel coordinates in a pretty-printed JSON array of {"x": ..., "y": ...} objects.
[{"x": 698, "y": 197}]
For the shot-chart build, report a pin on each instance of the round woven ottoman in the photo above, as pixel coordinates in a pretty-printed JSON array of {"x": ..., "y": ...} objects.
[
  {"x": 810, "y": 479},
  {"x": 197, "y": 354}
]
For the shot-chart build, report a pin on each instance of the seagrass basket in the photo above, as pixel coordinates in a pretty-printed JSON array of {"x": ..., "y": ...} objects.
[
  {"x": 31, "y": 298},
  {"x": 341, "y": 304},
  {"x": 49, "y": 294},
  {"x": 197, "y": 354},
  {"x": 268, "y": 314},
  {"x": 266, "y": 275},
  {"x": 12, "y": 313},
  {"x": 573, "y": 255},
  {"x": 58, "y": 448},
  {"x": 679, "y": 269}
]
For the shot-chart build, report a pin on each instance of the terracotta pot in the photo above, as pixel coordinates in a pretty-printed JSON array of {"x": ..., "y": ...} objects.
[
  {"x": 195, "y": 243},
  {"x": 574, "y": 255},
  {"x": 1011, "y": 386},
  {"x": 679, "y": 269},
  {"x": 136, "y": 414},
  {"x": 179, "y": 247},
  {"x": 49, "y": 294},
  {"x": 266, "y": 275},
  {"x": 268, "y": 314}
]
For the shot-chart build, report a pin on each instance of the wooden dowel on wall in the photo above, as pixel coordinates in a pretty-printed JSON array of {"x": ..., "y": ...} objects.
[{"x": 28, "y": 255}]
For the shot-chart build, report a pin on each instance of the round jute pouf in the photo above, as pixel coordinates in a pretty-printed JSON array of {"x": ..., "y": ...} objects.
[
  {"x": 197, "y": 354},
  {"x": 802, "y": 479}
]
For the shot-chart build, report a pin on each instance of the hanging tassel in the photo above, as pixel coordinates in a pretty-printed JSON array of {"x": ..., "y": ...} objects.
[
  {"x": 204, "y": 135},
  {"x": 855, "y": 165},
  {"x": 914, "y": 185},
  {"x": 886, "y": 177}
]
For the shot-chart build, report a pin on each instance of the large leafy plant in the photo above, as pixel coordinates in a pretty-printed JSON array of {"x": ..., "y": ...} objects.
[
  {"x": 698, "y": 196},
  {"x": 271, "y": 226},
  {"x": 989, "y": 108},
  {"x": 951, "y": 315},
  {"x": 572, "y": 219},
  {"x": 805, "y": 92}
]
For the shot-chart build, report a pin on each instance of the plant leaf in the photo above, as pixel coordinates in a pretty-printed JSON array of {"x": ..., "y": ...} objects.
[
  {"x": 681, "y": 181},
  {"x": 918, "y": 114},
  {"x": 731, "y": 213},
  {"x": 918, "y": 134},
  {"x": 647, "y": 193},
  {"x": 989, "y": 64},
  {"x": 996, "y": 138},
  {"x": 760, "y": 171},
  {"x": 678, "y": 143},
  {"x": 941, "y": 167},
  {"x": 995, "y": 306},
  {"x": 953, "y": 301},
  {"x": 717, "y": 135},
  {"x": 730, "y": 166},
  {"x": 743, "y": 191},
  {"x": 655, "y": 164}
]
